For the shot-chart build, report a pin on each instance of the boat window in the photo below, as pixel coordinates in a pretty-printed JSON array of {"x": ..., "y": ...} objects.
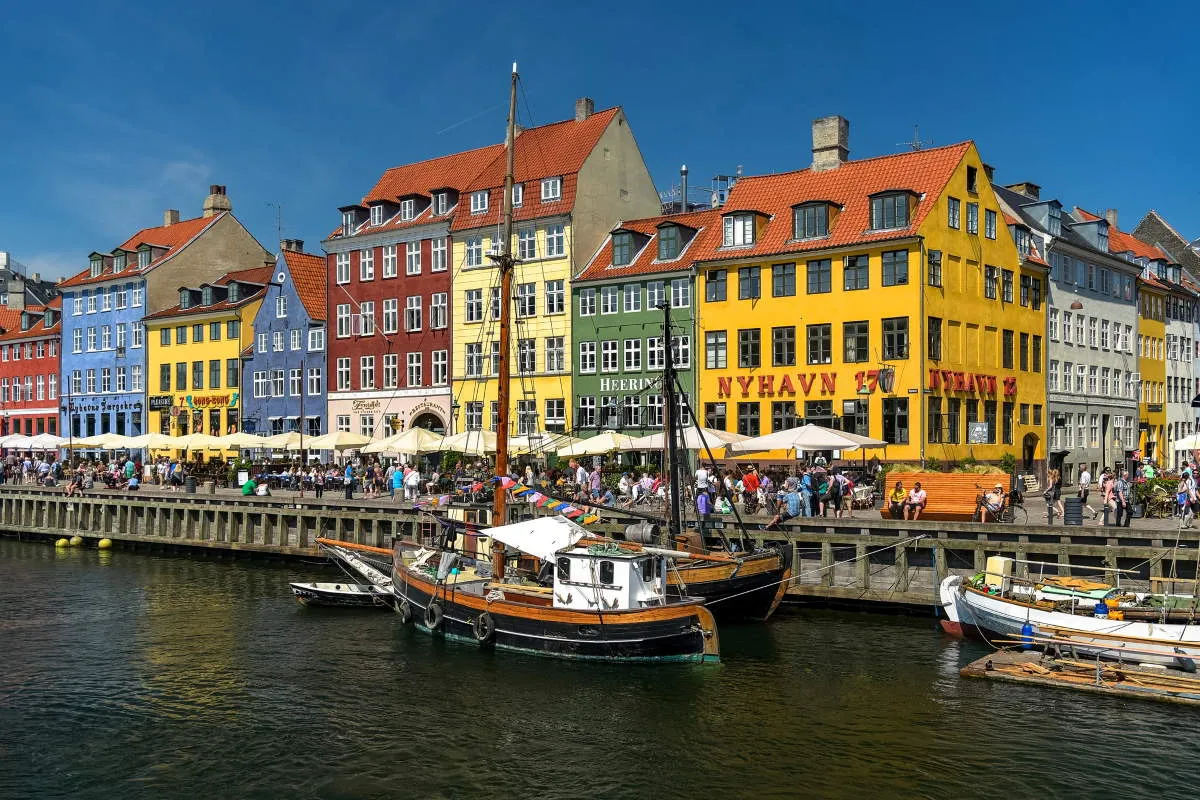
[
  {"x": 564, "y": 569},
  {"x": 649, "y": 567},
  {"x": 607, "y": 573}
]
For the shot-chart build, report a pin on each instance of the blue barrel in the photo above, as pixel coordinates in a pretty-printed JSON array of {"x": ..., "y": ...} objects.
[
  {"x": 1101, "y": 609},
  {"x": 1027, "y": 636}
]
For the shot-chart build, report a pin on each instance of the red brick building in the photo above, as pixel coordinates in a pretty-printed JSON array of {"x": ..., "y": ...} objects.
[{"x": 29, "y": 369}]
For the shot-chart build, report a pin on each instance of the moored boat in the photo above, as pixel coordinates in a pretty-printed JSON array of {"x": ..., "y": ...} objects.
[{"x": 341, "y": 595}]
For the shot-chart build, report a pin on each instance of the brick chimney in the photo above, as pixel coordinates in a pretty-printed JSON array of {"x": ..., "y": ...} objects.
[
  {"x": 584, "y": 108},
  {"x": 1111, "y": 215},
  {"x": 170, "y": 217},
  {"x": 217, "y": 201},
  {"x": 292, "y": 245},
  {"x": 831, "y": 142},
  {"x": 1030, "y": 190}
]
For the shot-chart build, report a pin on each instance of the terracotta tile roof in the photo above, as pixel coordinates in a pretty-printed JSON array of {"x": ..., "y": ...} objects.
[
  {"x": 645, "y": 262},
  {"x": 309, "y": 278},
  {"x": 258, "y": 275},
  {"x": 925, "y": 172},
  {"x": 532, "y": 206},
  {"x": 10, "y": 322},
  {"x": 172, "y": 237},
  {"x": 253, "y": 275},
  {"x": 1121, "y": 242}
]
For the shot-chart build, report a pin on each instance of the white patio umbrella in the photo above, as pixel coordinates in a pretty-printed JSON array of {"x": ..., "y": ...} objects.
[
  {"x": 281, "y": 441},
  {"x": 806, "y": 437},
  {"x": 241, "y": 441},
  {"x": 337, "y": 440},
  {"x": 1191, "y": 442},
  {"x": 47, "y": 441},
  {"x": 194, "y": 441},
  {"x": 692, "y": 439},
  {"x": 470, "y": 443},
  {"x": 150, "y": 441},
  {"x": 540, "y": 442},
  {"x": 17, "y": 441},
  {"x": 602, "y": 443},
  {"x": 94, "y": 442},
  {"x": 413, "y": 440}
]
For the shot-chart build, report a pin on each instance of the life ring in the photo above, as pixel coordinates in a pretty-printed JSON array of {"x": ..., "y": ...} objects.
[
  {"x": 484, "y": 628},
  {"x": 405, "y": 611},
  {"x": 433, "y": 615}
]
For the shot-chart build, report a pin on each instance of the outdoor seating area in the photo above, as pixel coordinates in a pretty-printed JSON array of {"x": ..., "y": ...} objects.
[{"x": 951, "y": 496}]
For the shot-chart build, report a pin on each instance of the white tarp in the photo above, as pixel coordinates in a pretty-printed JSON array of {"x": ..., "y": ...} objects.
[{"x": 541, "y": 537}]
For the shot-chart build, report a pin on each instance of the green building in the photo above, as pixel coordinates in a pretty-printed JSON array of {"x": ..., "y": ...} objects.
[{"x": 617, "y": 322}]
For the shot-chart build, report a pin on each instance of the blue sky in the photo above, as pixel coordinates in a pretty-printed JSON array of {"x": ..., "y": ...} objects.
[{"x": 117, "y": 111}]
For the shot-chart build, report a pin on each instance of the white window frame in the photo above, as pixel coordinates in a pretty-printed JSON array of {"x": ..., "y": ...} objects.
[
  {"x": 341, "y": 267},
  {"x": 551, "y": 189},
  {"x": 438, "y": 254},
  {"x": 412, "y": 258},
  {"x": 389, "y": 261},
  {"x": 479, "y": 202},
  {"x": 366, "y": 264}
]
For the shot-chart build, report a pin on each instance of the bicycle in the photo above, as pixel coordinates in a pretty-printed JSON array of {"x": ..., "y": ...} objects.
[{"x": 1012, "y": 509}]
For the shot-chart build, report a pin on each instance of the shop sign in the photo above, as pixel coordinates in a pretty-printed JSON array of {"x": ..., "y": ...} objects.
[
  {"x": 952, "y": 381},
  {"x": 767, "y": 386},
  {"x": 212, "y": 400},
  {"x": 365, "y": 406},
  {"x": 978, "y": 432},
  {"x": 424, "y": 406},
  {"x": 624, "y": 384},
  {"x": 160, "y": 402}
]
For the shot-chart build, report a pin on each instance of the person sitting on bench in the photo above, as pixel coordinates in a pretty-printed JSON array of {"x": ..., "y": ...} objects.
[
  {"x": 993, "y": 503},
  {"x": 896, "y": 500},
  {"x": 915, "y": 504}
]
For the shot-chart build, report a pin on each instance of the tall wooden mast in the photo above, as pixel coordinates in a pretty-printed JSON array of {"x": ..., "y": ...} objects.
[{"x": 505, "y": 262}]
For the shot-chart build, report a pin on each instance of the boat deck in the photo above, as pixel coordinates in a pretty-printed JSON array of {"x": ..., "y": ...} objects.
[{"x": 1116, "y": 680}]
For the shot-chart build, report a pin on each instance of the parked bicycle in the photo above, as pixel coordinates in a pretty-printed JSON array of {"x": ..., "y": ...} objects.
[{"x": 1010, "y": 507}]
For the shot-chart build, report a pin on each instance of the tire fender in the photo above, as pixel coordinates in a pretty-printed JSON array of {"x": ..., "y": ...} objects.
[
  {"x": 484, "y": 628},
  {"x": 405, "y": 611},
  {"x": 434, "y": 615}
]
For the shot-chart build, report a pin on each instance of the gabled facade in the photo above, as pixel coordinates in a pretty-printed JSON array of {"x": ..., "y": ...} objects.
[
  {"x": 29, "y": 369},
  {"x": 1092, "y": 331},
  {"x": 882, "y": 296},
  {"x": 104, "y": 355},
  {"x": 617, "y": 324},
  {"x": 389, "y": 271},
  {"x": 194, "y": 353},
  {"x": 283, "y": 369},
  {"x": 572, "y": 181}
]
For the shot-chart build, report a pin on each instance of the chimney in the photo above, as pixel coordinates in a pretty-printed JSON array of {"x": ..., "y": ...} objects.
[
  {"x": 584, "y": 108},
  {"x": 1030, "y": 190},
  {"x": 683, "y": 201},
  {"x": 35, "y": 277},
  {"x": 170, "y": 217},
  {"x": 217, "y": 201},
  {"x": 831, "y": 142},
  {"x": 1111, "y": 215},
  {"x": 292, "y": 245}
]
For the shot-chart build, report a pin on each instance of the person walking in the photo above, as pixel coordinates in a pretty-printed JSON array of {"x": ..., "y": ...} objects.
[
  {"x": 1121, "y": 493},
  {"x": 1053, "y": 493},
  {"x": 1085, "y": 486}
]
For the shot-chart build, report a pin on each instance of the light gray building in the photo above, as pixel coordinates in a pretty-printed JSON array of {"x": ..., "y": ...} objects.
[
  {"x": 21, "y": 289},
  {"x": 1092, "y": 321}
]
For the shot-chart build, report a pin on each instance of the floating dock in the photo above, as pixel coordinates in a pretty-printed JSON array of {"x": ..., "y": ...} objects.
[{"x": 1130, "y": 681}]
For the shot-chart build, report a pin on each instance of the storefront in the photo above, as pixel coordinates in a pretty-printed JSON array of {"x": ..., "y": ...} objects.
[{"x": 380, "y": 417}]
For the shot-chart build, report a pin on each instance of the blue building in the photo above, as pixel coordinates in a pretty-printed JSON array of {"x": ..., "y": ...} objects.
[
  {"x": 283, "y": 373},
  {"x": 103, "y": 344}
]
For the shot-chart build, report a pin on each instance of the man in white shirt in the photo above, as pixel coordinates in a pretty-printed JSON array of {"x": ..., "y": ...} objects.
[
  {"x": 701, "y": 479},
  {"x": 1085, "y": 485}
]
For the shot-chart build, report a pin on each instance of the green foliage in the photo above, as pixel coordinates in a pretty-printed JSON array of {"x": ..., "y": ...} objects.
[
  {"x": 449, "y": 459},
  {"x": 968, "y": 463},
  {"x": 933, "y": 465},
  {"x": 1008, "y": 463}
]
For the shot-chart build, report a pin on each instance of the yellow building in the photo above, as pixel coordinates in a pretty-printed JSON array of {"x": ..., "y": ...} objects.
[
  {"x": 572, "y": 181},
  {"x": 884, "y": 296},
  {"x": 1152, "y": 366},
  {"x": 194, "y": 355}
]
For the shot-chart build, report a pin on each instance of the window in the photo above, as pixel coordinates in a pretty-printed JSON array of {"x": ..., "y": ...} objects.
[
  {"x": 681, "y": 293},
  {"x": 810, "y": 221},
  {"x": 77, "y": 306},
  {"x": 952, "y": 212},
  {"x": 989, "y": 225},
  {"x": 105, "y": 383},
  {"x": 749, "y": 347},
  {"x": 654, "y": 411},
  {"x": 439, "y": 310},
  {"x": 342, "y": 267},
  {"x": 716, "y": 350},
  {"x": 820, "y": 343},
  {"x": 366, "y": 265},
  {"x": 366, "y": 425},
  {"x": 783, "y": 415},
  {"x": 1053, "y": 325},
  {"x": 1091, "y": 328},
  {"x": 714, "y": 416},
  {"x": 1006, "y": 361},
  {"x": 895, "y": 338},
  {"x": 631, "y": 407},
  {"x": 656, "y": 356},
  {"x": 608, "y": 356},
  {"x": 972, "y": 217},
  {"x": 180, "y": 334},
  {"x": 783, "y": 280},
  {"x": 197, "y": 374},
  {"x": 1105, "y": 338},
  {"x": 889, "y": 211},
  {"x": 526, "y": 357},
  {"x": 656, "y": 294},
  {"x": 895, "y": 267},
  {"x": 415, "y": 369},
  {"x": 438, "y": 255},
  {"x": 526, "y": 299},
  {"x": 895, "y": 420},
  {"x": 412, "y": 313},
  {"x": 991, "y": 281},
  {"x": 164, "y": 377},
  {"x": 668, "y": 242},
  {"x": 343, "y": 374},
  {"x": 91, "y": 338},
  {"x": 474, "y": 252},
  {"x": 91, "y": 303},
  {"x": 551, "y": 189},
  {"x": 391, "y": 315},
  {"x": 587, "y": 356},
  {"x": 738, "y": 230},
  {"x": 1036, "y": 350},
  {"x": 632, "y": 294},
  {"x": 77, "y": 339},
  {"x": 377, "y": 213},
  {"x": 366, "y": 372},
  {"x": 854, "y": 339},
  {"x": 856, "y": 276},
  {"x": 747, "y": 419},
  {"x": 587, "y": 302},
  {"x": 556, "y": 354},
  {"x": 749, "y": 283},
  {"x": 622, "y": 248},
  {"x": 473, "y": 305},
  {"x": 820, "y": 276},
  {"x": 518, "y": 195},
  {"x": 214, "y": 374},
  {"x": 412, "y": 258},
  {"x": 716, "y": 284},
  {"x": 473, "y": 355},
  {"x": 555, "y": 297},
  {"x": 441, "y": 203},
  {"x": 314, "y": 381},
  {"x": 633, "y": 355},
  {"x": 556, "y": 241},
  {"x": 441, "y": 367},
  {"x": 479, "y": 202},
  {"x": 608, "y": 300},
  {"x": 277, "y": 341},
  {"x": 1006, "y": 281}
]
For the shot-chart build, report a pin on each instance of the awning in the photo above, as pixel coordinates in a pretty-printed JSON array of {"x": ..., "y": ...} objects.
[{"x": 541, "y": 537}]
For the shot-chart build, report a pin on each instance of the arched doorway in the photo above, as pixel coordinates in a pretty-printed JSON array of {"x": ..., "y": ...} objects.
[
  {"x": 430, "y": 422},
  {"x": 1028, "y": 450}
]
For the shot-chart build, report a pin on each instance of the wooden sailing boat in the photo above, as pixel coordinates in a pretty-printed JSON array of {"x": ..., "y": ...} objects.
[{"x": 606, "y": 602}]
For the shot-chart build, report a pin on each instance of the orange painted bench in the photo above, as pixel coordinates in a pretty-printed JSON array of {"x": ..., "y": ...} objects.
[{"x": 951, "y": 496}]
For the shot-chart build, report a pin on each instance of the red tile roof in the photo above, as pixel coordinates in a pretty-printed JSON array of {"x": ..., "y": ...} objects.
[
  {"x": 645, "y": 262},
  {"x": 253, "y": 275},
  {"x": 172, "y": 237},
  {"x": 10, "y": 322},
  {"x": 1121, "y": 242},
  {"x": 925, "y": 172},
  {"x": 455, "y": 171},
  {"x": 309, "y": 278}
]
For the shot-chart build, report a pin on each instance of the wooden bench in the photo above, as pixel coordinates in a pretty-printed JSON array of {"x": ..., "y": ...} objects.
[{"x": 951, "y": 495}]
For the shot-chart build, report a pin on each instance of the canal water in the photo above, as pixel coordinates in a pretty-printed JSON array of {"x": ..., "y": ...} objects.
[{"x": 125, "y": 675}]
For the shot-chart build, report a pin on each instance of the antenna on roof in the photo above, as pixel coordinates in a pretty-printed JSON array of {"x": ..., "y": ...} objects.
[
  {"x": 916, "y": 143},
  {"x": 278, "y": 219}
]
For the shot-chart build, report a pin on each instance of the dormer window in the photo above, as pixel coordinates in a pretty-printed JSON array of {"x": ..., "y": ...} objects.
[
  {"x": 119, "y": 262},
  {"x": 551, "y": 189},
  {"x": 206, "y": 296},
  {"x": 1054, "y": 220},
  {"x": 234, "y": 291},
  {"x": 347, "y": 223},
  {"x": 408, "y": 209},
  {"x": 1023, "y": 240},
  {"x": 669, "y": 242},
  {"x": 622, "y": 248},
  {"x": 1102, "y": 237},
  {"x": 518, "y": 194},
  {"x": 185, "y": 299},
  {"x": 479, "y": 202},
  {"x": 377, "y": 215},
  {"x": 889, "y": 211},
  {"x": 810, "y": 221},
  {"x": 144, "y": 258},
  {"x": 738, "y": 230},
  {"x": 441, "y": 203},
  {"x": 97, "y": 267}
]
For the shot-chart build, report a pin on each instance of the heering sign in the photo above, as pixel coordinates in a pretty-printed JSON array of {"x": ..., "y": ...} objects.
[{"x": 624, "y": 384}]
